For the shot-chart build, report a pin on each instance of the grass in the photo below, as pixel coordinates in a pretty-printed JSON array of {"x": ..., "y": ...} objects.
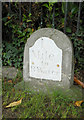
[{"x": 37, "y": 105}]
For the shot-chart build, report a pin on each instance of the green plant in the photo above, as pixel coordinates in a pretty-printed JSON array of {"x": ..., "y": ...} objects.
[
  {"x": 49, "y": 6},
  {"x": 16, "y": 32},
  {"x": 12, "y": 53},
  {"x": 49, "y": 15},
  {"x": 78, "y": 50},
  {"x": 38, "y": 105}
]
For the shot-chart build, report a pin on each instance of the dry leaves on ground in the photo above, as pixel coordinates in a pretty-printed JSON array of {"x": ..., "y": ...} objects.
[
  {"x": 78, "y": 103},
  {"x": 10, "y": 81},
  {"x": 79, "y": 82},
  {"x": 14, "y": 103}
]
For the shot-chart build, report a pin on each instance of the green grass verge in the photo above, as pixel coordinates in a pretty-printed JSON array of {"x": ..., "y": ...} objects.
[{"x": 37, "y": 105}]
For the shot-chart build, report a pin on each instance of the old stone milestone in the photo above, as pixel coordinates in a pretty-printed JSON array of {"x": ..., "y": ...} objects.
[
  {"x": 48, "y": 59},
  {"x": 44, "y": 61}
]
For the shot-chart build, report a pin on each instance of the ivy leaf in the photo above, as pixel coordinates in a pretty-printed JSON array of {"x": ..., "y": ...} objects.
[
  {"x": 45, "y": 5},
  {"x": 29, "y": 20},
  {"x": 68, "y": 30},
  {"x": 30, "y": 14},
  {"x": 8, "y": 22},
  {"x": 29, "y": 29},
  {"x": 20, "y": 32},
  {"x": 24, "y": 16},
  {"x": 4, "y": 19},
  {"x": 74, "y": 10}
]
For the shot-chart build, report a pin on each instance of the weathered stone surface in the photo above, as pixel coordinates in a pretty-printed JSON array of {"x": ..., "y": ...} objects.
[
  {"x": 9, "y": 72},
  {"x": 62, "y": 42},
  {"x": 75, "y": 92}
]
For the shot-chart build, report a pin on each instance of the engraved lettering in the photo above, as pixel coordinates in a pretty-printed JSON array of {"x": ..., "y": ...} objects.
[{"x": 45, "y": 60}]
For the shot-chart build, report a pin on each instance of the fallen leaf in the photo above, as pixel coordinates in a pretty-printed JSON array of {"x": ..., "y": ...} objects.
[
  {"x": 9, "y": 81},
  {"x": 14, "y": 103},
  {"x": 78, "y": 103},
  {"x": 79, "y": 82}
]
